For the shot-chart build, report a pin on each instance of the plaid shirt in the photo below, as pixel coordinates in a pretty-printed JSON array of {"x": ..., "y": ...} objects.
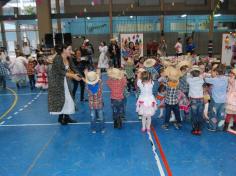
[
  {"x": 183, "y": 85},
  {"x": 129, "y": 69},
  {"x": 153, "y": 72},
  {"x": 95, "y": 100},
  {"x": 117, "y": 88},
  {"x": 30, "y": 68},
  {"x": 171, "y": 95},
  {"x": 3, "y": 69}
]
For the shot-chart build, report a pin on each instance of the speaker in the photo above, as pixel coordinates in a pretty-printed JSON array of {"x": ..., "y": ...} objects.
[
  {"x": 67, "y": 38},
  {"x": 49, "y": 40},
  {"x": 58, "y": 39}
]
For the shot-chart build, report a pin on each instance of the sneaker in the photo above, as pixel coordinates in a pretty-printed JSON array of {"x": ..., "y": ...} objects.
[
  {"x": 198, "y": 132},
  {"x": 143, "y": 130},
  {"x": 194, "y": 132},
  {"x": 140, "y": 117},
  {"x": 210, "y": 129},
  {"x": 177, "y": 126},
  {"x": 165, "y": 127},
  {"x": 103, "y": 131},
  {"x": 94, "y": 132}
]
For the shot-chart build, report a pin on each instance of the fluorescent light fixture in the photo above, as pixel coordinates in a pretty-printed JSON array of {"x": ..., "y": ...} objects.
[
  {"x": 131, "y": 16},
  {"x": 217, "y": 15},
  {"x": 184, "y": 15},
  {"x": 88, "y": 18}
]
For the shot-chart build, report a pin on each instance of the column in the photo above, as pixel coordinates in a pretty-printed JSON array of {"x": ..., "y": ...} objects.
[
  {"x": 3, "y": 33},
  {"x": 44, "y": 18},
  {"x": 162, "y": 16},
  {"x": 58, "y": 19},
  {"x": 110, "y": 18}
]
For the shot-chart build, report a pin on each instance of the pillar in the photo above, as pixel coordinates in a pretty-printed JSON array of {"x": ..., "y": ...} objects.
[
  {"x": 58, "y": 19},
  {"x": 3, "y": 33},
  {"x": 110, "y": 18}
]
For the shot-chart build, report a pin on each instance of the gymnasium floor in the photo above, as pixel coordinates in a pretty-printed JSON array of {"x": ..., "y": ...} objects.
[{"x": 33, "y": 143}]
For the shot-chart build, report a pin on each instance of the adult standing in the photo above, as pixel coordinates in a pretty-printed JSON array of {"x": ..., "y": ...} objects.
[
  {"x": 163, "y": 47},
  {"x": 26, "y": 50},
  {"x": 18, "y": 70},
  {"x": 179, "y": 47},
  {"x": 190, "y": 46},
  {"x": 114, "y": 51},
  {"x": 80, "y": 66},
  {"x": 103, "y": 59},
  {"x": 60, "y": 101}
]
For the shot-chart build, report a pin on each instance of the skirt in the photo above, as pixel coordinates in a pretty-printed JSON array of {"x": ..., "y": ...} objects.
[
  {"x": 69, "y": 105},
  {"x": 146, "y": 107}
]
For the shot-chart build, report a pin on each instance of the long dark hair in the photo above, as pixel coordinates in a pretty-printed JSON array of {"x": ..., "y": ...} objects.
[{"x": 59, "y": 48}]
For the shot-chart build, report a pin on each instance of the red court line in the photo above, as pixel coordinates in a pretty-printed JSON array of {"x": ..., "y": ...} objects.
[{"x": 162, "y": 153}]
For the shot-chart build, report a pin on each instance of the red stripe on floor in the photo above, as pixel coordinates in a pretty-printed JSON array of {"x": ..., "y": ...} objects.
[{"x": 162, "y": 153}]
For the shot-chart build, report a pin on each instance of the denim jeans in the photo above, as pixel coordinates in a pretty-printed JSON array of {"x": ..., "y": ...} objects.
[
  {"x": 116, "y": 61},
  {"x": 196, "y": 110},
  {"x": 3, "y": 81},
  {"x": 175, "y": 109},
  {"x": 216, "y": 114},
  {"x": 117, "y": 108},
  {"x": 124, "y": 103},
  {"x": 97, "y": 115}
]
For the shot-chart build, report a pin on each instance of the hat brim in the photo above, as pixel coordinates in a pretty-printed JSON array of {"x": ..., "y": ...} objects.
[
  {"x": 149, "y": 63},
  {"x": 92, "y": 82}
]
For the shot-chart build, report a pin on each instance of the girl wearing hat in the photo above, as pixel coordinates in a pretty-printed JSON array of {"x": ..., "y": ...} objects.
[
  {"x": 146, "y": 103},
  {"x": 94, "y": 87},
  {"x": 231, "y": 101},
  {"x": 117, "y": 84},
  {"x": 196, "y": 99}
]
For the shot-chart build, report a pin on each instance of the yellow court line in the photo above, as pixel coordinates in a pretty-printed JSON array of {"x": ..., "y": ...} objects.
[{"x": 13, "y": 104}]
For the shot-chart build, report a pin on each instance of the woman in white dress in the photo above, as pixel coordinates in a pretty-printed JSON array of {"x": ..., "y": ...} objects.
[
  {"x": 103, "y": 59},
  {"x": 19, "y": 71}
]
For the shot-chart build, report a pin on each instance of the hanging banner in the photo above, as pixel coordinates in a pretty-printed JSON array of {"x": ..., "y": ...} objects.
[{"x": 131, "y": 46}]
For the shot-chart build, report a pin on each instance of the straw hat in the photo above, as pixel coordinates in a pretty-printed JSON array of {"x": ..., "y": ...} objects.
[
  {"x": 172, "y": 73},
  {"x": 149, "y": 63},
  {"x": 184, "y": 63},
  {"x": 115, "y": 73},
  {"x": 92, "y": 77},
  {"x": 112, "y": 39},
  {"x": 196, "y": 67},
  {"x": 130, "y": 61},
  {"x": 141, "y": 70},
  {"x": 234, "y": 71},
  {"x": 31, "y": 58}
]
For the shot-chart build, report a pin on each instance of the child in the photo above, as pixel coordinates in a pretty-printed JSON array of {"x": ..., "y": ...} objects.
[
  {"x": 171, "y": 99},
  {"x": 196, "y": 99},
  {"x": 183, "y": 67},
  {"x": 42, "y": 78},
  {"x": 31, "y": 71},
  {"x": 129, "y": 70},
  {"x": 117, "y": 84},
  {"x": 146, "y": 103},
  {"x": 231, "y": 101},
  {"x": 160, "y": 99},
  {"x": 3, "y": 73},
  {"x": 217, "y": 105},
  {"x": 94, "y": 87},
  {"x": 207, "y": 99}
]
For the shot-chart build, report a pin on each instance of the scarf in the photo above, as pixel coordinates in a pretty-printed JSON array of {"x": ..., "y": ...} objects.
[{"x": 93, "y": 88}]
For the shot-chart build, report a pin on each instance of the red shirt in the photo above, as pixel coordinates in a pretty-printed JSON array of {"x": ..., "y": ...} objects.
[{"x": 117, "y": 88}]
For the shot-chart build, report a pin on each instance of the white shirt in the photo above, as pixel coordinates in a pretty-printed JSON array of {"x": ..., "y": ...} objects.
[
  {"x": 26, "y": 50},
  {"x": 195, "y": 87},
  {"x": 178, "y": 48}
]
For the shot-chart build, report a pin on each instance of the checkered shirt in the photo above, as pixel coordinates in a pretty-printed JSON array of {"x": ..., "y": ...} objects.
[
  {"x": 3, "y": 69},
  {"x": 129, "y": 69},
  {"x": 95, "y": 100},
  {"x": 183, "y": 85},
  {"x": 171, "y": 95},
  {"x": 30, "y": 68},
  {"x": 117, "y": 88},
  {"x": 153, "y": 72}
]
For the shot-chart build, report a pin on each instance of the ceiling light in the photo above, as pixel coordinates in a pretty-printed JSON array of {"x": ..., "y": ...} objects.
[
  {"x": 184, "y": 15},
  {"x": 88, "y": 18},
  {"x": 217, "y": 15},
  {"x": 131, "y": 16}
]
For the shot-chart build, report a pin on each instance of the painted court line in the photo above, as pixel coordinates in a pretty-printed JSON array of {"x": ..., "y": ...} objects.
[
  {"x": 21, "y": 109},
  {"x": 57, "y": 124},
  {"x": 158, "y": 162},
  {"x": 2, "y": 122},
  {"x": 169, "y": 173},
  {"x": 10, "y": 117},
  {"x": 15, "y": 113}
]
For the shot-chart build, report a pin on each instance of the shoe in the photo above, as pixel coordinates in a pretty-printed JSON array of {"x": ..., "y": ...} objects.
[
  {"x": 226, "y": 126},
  {"x": 115, "y": 124},
  {"x": 177, "y": 126},
  {"x": 165, "y": 127},
  {"x": 143, "y": 130},
  {"x": 233, "y": 127},
  {"x": 198, "y": 132},
  {"x": 103, "y": 131},
  {"x": 94, "y": 132},
  {"x": 210, "y": 129},
  {"x": 140, "y": 117},
  {"x": 194, "y": 132},
  {"x": 69, "y": 120},
  {"x": 119, "y": 123},
  {"x": 123, "y": 118}
]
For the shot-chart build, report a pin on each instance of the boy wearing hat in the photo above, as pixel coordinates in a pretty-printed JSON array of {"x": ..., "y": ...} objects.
[
  {"x": 31, "y": 71},
  {"x": 117, "y": 84},
  {"x": 196, "y": 99},
  {"x": 171, "y": 98},
  {"x": 94, "y": 87},
  {"x": 129, "y": 70}
]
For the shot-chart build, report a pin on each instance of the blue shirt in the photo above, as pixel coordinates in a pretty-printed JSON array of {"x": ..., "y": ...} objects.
[{"x": 219, "y": 88}]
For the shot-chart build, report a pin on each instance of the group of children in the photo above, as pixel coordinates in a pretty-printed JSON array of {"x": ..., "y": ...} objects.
[{"x": 180, "y": 90}]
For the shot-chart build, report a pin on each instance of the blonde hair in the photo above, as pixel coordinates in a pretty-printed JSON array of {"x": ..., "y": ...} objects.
[{"x": 146, "y": 76}]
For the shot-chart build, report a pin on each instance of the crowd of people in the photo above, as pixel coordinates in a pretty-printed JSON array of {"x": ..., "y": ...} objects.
[{"x": 180, "y": 88}]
